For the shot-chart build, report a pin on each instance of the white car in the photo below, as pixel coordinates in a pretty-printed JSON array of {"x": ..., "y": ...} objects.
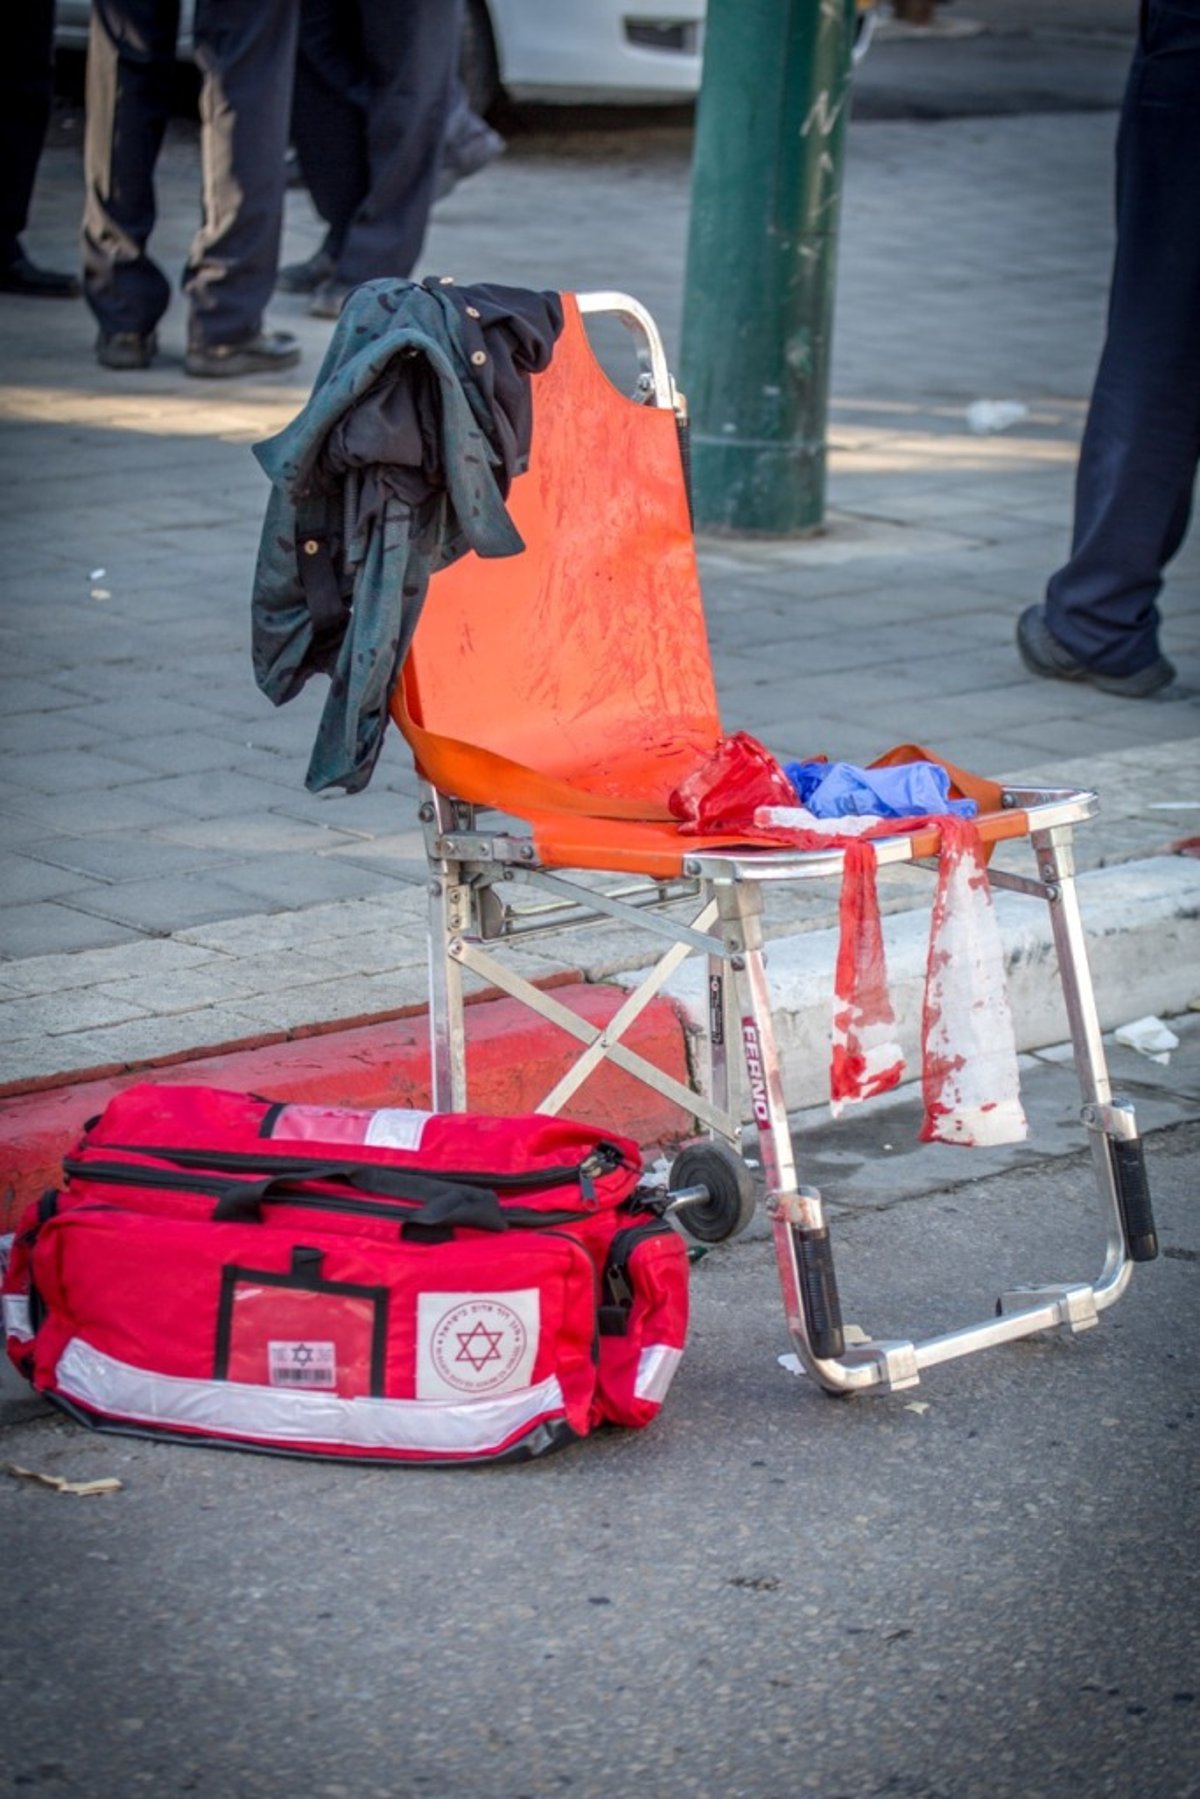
[
  {"x": 573, "y": 52},
  {"x": 583, "y": 52}
]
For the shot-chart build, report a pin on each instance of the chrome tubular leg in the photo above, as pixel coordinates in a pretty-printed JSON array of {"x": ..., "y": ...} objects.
[
  {"x": 721, "y": 1081},
  {"x": 798, "y": 1220},
  {"x": 447, "y": 1057},
  {"x": 1056, "y": 865},
  {"x": 447, "y": 1034},
  {"x": 449, "y": 910},
  {"x": 450, "y": 915},
  {"x": 1116, "y": 1147}
]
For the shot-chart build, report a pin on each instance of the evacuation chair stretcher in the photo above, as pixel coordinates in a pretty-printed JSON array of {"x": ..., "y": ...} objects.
[{"x": 568, "y": 689}]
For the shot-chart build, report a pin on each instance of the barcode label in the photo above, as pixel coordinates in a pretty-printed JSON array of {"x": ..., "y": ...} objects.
[{"x": 302, "y": 1365}]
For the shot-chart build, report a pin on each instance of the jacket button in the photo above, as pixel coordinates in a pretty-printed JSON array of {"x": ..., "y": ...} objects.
[
  {"x": 473, "y": 312},
  {"x": 479, "y": 357},
  {"x": 310, "y": 546},
  {"x": 445, "y": 280}
]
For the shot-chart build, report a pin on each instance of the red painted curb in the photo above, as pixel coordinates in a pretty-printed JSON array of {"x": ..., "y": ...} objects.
[{"x": 513, "y": 1059}]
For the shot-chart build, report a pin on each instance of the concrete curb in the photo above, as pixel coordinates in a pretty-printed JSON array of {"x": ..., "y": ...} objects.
[
  {"x": 1143, "y": 926},
  {"x": 513, "y": 1058},
  {"x": 1143, "y": 929}
]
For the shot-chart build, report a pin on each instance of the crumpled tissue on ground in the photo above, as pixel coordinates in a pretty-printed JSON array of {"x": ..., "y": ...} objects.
[{"x": 1150, "y": 1037}]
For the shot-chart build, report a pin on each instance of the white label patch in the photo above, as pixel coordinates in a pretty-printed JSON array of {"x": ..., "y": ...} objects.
[
  {"x": 302, "y": 1365},
  {"x": 17, "y": 1322},
  {"x": 476, "y": 1343},
  {"x": 392, "y": 1127}
]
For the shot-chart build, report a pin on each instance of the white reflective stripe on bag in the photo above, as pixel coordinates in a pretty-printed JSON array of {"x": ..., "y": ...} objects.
[
  {"x": 656, "y": 1370},
  {"x": 16, "y": 1317},
  {"x": 270, "y": 1415}
]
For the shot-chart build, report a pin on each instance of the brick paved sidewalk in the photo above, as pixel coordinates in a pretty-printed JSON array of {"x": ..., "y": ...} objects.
[{"x": 168, "y": 884}]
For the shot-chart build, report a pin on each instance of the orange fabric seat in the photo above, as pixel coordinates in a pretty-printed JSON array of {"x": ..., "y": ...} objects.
[
  {"x": 577, "y": 674},
  {"x": 572, "y": 685}
]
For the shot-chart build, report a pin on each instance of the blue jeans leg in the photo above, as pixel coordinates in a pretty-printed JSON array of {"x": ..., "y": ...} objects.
[{"x": 1137, "y": 465}]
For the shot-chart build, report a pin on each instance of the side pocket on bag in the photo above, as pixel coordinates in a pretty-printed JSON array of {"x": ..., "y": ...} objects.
[{"x": 643, "y": 1317}]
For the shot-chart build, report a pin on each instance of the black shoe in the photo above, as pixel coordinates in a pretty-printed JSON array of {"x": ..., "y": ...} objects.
[
  {"x": 20, "y": 276},
  {"x": 1042, "y": 654},
  {"x": 305, "y": 277},
  {"x": 329, "y": 299},
  {"x": 265, "y": 354},
  {"x": 126, "y": 349}
]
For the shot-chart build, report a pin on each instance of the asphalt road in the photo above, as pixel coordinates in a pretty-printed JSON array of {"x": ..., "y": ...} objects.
[{"x": 983, "y": 1587}]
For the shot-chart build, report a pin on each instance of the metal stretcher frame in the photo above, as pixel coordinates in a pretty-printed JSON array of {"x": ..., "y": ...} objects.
[{"x": 477, "y": 869}]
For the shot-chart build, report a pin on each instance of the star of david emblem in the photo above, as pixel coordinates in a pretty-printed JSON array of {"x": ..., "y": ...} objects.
[
  {"x": 302, "y": 1354},
  {"x": 478, "y": 1346}
]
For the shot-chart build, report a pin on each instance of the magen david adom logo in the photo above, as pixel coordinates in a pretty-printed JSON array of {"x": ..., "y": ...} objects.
[{"x": 473, "y": 1344}]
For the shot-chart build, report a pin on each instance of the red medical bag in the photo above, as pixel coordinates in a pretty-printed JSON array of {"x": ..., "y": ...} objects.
[{"x": 385, "y": 1286}]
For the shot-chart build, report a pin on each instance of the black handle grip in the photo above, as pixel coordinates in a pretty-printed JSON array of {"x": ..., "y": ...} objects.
[
  {"x": 1133, "y": 1194},
  {"x": 469, "y": 1207},
  {"x": 818, "y": 1290},
  {"x": 446, "y": 1203}
]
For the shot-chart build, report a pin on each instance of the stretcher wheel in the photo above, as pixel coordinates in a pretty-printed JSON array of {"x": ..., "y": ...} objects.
[{"x": 729, "y": 1184}]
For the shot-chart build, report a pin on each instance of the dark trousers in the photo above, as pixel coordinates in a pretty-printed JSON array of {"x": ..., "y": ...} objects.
[
  {"x": 245, "y": 50},
  {"x": 26, "y": 91},
  {"x": 1137, "y": 466},
  {"x": 374, "y": 83}
]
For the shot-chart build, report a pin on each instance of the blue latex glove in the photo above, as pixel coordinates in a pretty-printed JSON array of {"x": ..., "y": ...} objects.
[
  {"x": 805, "y": 777},
  {"x": 909, "y": 790}
]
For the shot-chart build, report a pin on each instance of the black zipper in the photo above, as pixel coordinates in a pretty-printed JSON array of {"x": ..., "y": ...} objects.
[
  {"x": 604, "y": 1159},
  {"x": 120, "y": 1174},
  {"x": 620, "y": 1249}
]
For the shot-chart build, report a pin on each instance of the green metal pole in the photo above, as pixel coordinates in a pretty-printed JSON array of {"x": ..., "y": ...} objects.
[{"x": 761, "y": 262}]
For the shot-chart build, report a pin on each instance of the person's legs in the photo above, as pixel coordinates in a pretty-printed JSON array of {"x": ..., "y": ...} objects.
[
  {"x": 131, "y": 56},
  {"x": 1138, "y": 461},
  {"x": 469, "y": 145},
  {"x": 26, "y": 92},
  {"x": 246, "y": 51},
  {"x": 329, "y": 120},
  {"x": 25, "y": 95},
  {"x": 411, "y": 54}
]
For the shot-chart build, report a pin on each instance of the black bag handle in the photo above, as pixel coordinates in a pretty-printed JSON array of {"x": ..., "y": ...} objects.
[{"x": 441, "y": 1203}]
